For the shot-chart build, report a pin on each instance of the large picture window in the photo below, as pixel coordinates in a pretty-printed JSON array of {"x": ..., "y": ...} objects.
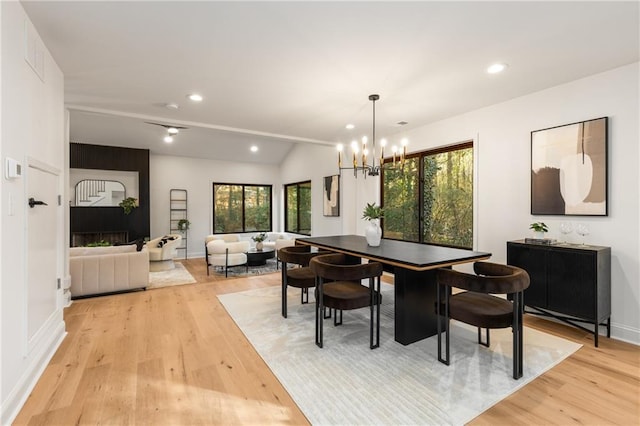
[
  {"x": 241, "y": 208},
  {"x": 430, "y": 198},
  {"x": 297, "y": 211}
]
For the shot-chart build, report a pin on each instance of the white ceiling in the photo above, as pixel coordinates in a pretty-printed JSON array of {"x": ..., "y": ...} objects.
[{"x": 278, "y": 73}]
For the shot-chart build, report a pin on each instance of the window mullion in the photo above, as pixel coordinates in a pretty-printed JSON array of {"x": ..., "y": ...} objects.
[{"x": 421, "y": 198}]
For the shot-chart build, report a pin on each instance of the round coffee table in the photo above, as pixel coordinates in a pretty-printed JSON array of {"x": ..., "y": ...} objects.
[{"x": 259, "y": 257}]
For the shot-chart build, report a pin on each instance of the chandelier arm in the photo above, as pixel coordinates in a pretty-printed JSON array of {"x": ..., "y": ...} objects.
[{"x": 370, "y": 169}]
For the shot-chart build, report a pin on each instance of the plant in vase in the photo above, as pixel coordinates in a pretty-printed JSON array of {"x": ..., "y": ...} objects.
[
  {"x": 373, "y": 213},
  {"x": 539, "y": 228},
  {"x": 259, "y": 238}
]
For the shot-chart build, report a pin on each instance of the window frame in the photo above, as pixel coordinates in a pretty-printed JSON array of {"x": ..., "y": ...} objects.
[
  {"x": 286, "y": 210},
  {"x": 244, "y": 224},
  {"x": 421, "y": 155}
]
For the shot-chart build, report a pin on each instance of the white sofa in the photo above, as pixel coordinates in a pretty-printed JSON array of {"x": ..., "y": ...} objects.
[
  {"x": 225, "y": 251},
  {"x": 162, "y": 250},
  {"x": 100, "y": 270}
]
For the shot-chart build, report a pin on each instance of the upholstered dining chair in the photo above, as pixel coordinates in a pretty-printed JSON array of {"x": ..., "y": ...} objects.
[
  {"x": 339, "y": 287},
  {"x": 296, "y": 272},
  {"x": 478, "y": 306}
]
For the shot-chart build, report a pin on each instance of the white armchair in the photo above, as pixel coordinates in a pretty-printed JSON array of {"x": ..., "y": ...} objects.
[
  {"x": 162, "y": 250},
  {"x": 225, "y": 254}
]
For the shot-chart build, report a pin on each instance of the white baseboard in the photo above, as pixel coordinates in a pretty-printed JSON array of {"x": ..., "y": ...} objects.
[
  {"x": 40, "y": 358},
  {"x": 625, "y": 333}
]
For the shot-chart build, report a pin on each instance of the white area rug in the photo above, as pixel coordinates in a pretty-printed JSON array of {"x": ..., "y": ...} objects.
[
  {"x": 348, "y": 383},
  {"x": 177, "y": 276}
]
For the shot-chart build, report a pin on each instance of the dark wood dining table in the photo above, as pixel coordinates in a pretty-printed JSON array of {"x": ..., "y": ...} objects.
[{"x": 413, "y": 266}]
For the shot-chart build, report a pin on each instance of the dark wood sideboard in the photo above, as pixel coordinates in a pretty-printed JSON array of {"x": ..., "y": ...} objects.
[{"x": 569, "y": 282}]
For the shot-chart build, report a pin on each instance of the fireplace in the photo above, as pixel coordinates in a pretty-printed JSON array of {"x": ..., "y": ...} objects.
[{"x": 80, "y": 239}]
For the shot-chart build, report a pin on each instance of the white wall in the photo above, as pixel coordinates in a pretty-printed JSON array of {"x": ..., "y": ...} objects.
[
  {"x": 32, "y": 126},
  {"x": 314, "y": 162},
  {"x": 196, "y": 176},
  {"x": 503, "y": 187},
  {"x": 503, "y": 151}
]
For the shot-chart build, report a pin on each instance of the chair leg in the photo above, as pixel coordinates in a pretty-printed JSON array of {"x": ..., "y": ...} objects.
[
  {"x": 319, "y": 310},
  {"x": 487, "y": 342},
  {"x": 284, "y": 292},
  {"x": 335, "y": 317},
  {"x": 305, "y": 291},
  {"x": 375, "y": 306},
  {"x": 440, "y": 316},
  {"x": 518, "y": 344}
]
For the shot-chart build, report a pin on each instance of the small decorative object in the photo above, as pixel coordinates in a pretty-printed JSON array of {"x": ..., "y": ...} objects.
[
  {"x": 259, "y": 239},
  {"x": 373, "y": 214},
  {"x": 566, "y": 228},
  {"x": 128, "y": 204},
  {"x": 183, "y": 224},
  {"x": 583, "y": 231},
  {"x": 539, "y": 228}
]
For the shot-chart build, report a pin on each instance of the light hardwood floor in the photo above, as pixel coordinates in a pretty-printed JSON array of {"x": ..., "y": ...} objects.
[{"x": 172, "y": 356}]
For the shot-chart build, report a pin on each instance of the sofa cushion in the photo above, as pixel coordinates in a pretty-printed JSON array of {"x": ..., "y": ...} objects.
[{"x": 91, "y": 251}]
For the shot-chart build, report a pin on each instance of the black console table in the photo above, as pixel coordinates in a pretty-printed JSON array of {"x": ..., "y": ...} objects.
[{"x": 569, "y": 282}]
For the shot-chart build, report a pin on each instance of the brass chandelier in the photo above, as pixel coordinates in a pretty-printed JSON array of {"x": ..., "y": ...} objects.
[{"x": 370, "y": 165}]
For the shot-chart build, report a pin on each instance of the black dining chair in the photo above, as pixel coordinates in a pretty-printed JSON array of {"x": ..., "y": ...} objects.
[
  {"x": 478, "y": 306},
  {"x": 296, "y": 272},
  {"x": 339, "y": 287}
]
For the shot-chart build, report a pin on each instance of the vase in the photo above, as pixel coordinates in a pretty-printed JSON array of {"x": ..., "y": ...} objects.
[
  {"x": 259, "y": 246},
  {"x": 539, "y": 235},
  {"x": 373, "y": 233}
]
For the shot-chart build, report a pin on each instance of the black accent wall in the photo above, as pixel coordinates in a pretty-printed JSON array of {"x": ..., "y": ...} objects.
[{"x": 112, "y": 219}]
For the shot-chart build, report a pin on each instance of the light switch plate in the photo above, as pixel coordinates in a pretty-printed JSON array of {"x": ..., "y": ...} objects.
[{"x": 12, "y": 168}]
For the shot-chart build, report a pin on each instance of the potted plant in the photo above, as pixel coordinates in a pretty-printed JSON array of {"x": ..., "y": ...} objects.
[
  {"x": 373, "y": 213},
  {"x": 101, "y": 243},
  {"x": 128, "y": 204},
  {"x": 183, "y": 224},
  {"x": 259, "y": 238},
  {"x": 539, "y": 228}
]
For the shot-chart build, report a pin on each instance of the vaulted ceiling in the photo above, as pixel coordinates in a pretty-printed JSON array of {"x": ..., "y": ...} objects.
[{"x": 274, "y": 74}]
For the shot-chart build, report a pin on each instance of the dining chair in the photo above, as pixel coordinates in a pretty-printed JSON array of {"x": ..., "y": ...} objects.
[
  {"x": 296, "y": 272},
  {"x": 339, "y": 287},
  {"x": 478, "y": 306}
]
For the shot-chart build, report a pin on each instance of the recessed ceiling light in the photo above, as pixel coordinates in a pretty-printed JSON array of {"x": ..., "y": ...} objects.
[
  {"x": 168, "y": 139},
  {"x": 171, "y": 105},
  {"x": 172, "y": 130},
  {"x": 496, "y": 68},
  {"x": 195, "y": 97},
  {"x": 350, "y": 126},
  {"x": 254, "y": 148}
]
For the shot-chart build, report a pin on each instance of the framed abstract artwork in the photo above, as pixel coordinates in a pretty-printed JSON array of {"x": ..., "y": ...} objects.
[
  {"x": 331, "y": 196},
  {"x": 569, "y": 169}
]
